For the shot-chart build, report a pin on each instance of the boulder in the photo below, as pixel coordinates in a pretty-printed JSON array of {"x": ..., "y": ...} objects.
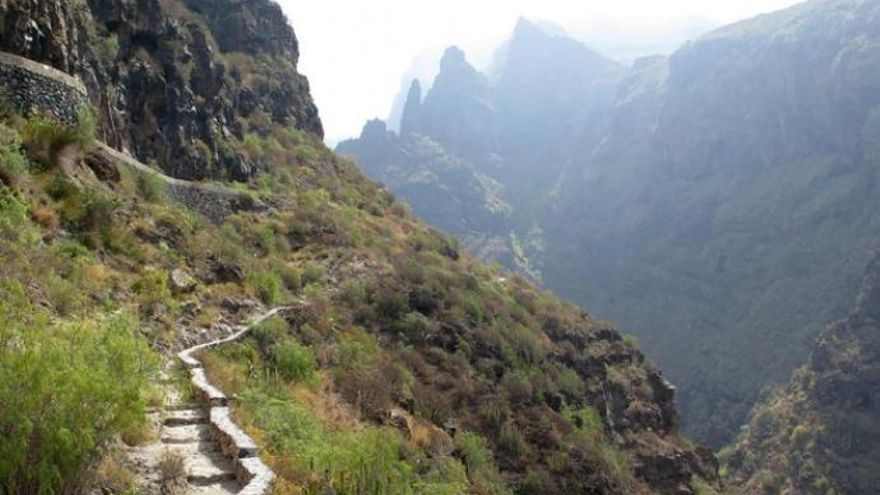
[{"x": 181, "y": 282}]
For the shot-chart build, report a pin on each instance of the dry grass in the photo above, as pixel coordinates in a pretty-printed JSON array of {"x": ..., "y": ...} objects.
[
  {"x": 328, "y": 405},
  {"x": 45, "y": 217},
  {"x": 172, "y": 468},
  {"x": 114, "y": 477},
  {"x": 139, "y": 435}
]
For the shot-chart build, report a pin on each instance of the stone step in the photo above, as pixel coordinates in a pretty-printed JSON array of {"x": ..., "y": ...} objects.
[
  {"x": 203, "y": 470},
  {"x": 223, "y": 488},
  {"x": 200, "y": 448},
  {"x": 185, "y": 417},
  {"x": 185, "y": 407},
  {"x": 185, "y": 434},
  {"x": 211, "y": 478}
]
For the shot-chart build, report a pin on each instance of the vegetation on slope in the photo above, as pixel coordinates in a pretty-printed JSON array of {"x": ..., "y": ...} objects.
[
  {"x": 446, "y": 376},
  {"x": 719, "y": 203},
  {"x": 404, "y": 360},
  {"x": 429, "y": 350},
  {"x": 819, "y": 434},
  {"x": 73, "y": 369}
]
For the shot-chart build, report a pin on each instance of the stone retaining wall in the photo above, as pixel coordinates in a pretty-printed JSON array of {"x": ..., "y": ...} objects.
[
  {"x": 214, "y": 202},
  {"x": 34, "y": 88}
]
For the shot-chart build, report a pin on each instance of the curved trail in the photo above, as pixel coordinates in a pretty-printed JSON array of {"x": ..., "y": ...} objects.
[{"x": 219, "y": 457}]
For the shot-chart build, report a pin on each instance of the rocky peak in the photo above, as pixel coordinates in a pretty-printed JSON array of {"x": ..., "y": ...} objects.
[
  {"x": 457, "y": 111},
  {"x": 454, "y": 59},
  {"x": 536, "y": 43},
  {"x": 374, "y": 130},
  {"x": 410, "y": 121},
  {"x": 547, "y": 83}
]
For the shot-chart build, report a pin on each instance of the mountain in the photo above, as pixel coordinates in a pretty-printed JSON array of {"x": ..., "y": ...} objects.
[
  {"x": 818, "y": 434},
  {"x": 731, "y": 203},
  {"x": 718, "y": 203},
  {"x": 394, "y": 362},
  {"x": 551, "y": 92},
  {"x": 548, "y": 92}
]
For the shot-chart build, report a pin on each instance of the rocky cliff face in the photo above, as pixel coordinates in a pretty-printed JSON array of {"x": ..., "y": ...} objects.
[
  {"x": 819, "y": 435},
  {"x": 170, "y": 79},
  {"x": 731, "y": 203}
]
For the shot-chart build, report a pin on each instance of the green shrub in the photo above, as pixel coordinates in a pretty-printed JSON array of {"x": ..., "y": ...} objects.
[
  {"x": 151, "y": 188},
  {"x": 108, "y": 47},
  {"x": 290, "y": 276},
  {"x": 354, "y": 292},
  {"x": 295, "y": 362},
  {"x": 44, "y": 137},
  {"x": 479, "y": 462},
  {"x": 391, "y": 304},
  {"x": 270, "y": 332},
  {"x": 308, "y": 154},
  {"x": 349, "y": 459},
  {"x": 528, "y": 349},
  {"x": 586, "y": 419},
  {"x": 312, "y": 273},
  {"x": 356, "y": 349},
  {"x": 64, "y": 295},
  {"x": 512, "y": 440},
  {"x": 12, "y": 163},
  {"x": 67, "y": 390},
  {"x": 15, "y": 224},
  {"x": 268, "y": 286},
  {"x": 153, "y": 291}
]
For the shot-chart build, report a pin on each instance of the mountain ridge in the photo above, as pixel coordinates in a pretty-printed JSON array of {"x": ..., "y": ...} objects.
[{"x": 717, "y": 202}]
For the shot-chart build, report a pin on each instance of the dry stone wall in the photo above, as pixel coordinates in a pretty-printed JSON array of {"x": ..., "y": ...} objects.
[
  {"x": 212, "y": 201},
  {"x": 251, "y": 471},
  {"x": 34, "y": 88}
]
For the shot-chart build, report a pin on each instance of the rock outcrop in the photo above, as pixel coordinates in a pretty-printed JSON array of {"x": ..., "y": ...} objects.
[
  {"x": 458, "y": 111},
  {"x": 167, "y": 78}
]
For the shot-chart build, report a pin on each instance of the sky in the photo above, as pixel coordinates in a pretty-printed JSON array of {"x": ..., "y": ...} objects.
[{"x": 357, "y": 54}]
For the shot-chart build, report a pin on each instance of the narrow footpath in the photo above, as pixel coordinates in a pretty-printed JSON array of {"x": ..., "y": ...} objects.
[{"x": 198, "y": 449}]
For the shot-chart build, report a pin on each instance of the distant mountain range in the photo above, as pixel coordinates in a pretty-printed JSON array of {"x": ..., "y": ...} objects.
[{"x": 720, "y": 203}]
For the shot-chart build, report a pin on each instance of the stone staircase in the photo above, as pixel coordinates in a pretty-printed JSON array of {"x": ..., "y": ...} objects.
[
  {"x": 218, "y": 458},
  {"x": 186, "y": 431}
]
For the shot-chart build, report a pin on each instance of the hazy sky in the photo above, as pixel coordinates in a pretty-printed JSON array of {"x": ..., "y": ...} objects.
[{"x": 355, "y": 52}]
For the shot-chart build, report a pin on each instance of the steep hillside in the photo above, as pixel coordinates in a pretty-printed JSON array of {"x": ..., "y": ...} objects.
[
  {"x": 718, "y": 203},
  {"x": 819, "y": 435},
  {"x": 401, "y": 365}
]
